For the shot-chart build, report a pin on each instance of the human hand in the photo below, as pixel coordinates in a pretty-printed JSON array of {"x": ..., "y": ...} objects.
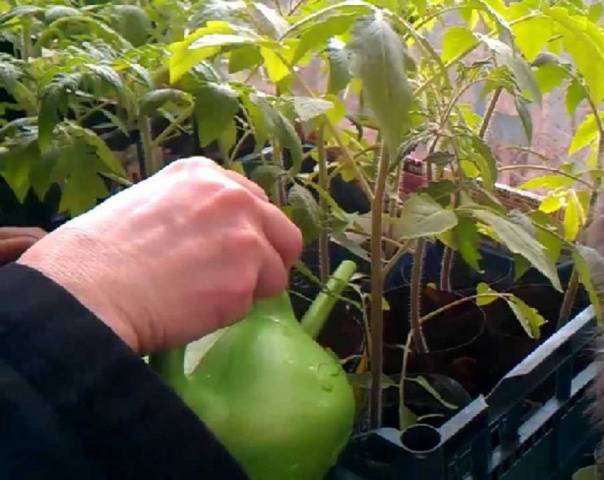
[
  {"x": 16, "y": 240},
  {"x": 174, "y": 257}
]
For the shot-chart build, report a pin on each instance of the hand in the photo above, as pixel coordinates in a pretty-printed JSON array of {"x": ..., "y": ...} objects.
[
  {"x": 16, "y": 240},
  {"x": 174, "y": 257}
]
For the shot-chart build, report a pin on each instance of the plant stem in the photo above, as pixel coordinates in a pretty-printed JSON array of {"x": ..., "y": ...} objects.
[
  {"x": 317, "y": 314},
  {"x": 26, "y": 44},
  {"x": 569, "y": 298},
  {"x": 279, "y": 188},
  {"x": 150, "y": 158},
  {"x": 489, "y": 113},
  {"x": 172, "y": 127},
  {"x": 415, "y": 297},
  {"x": 324, "y": 260},
  {"x": 446, "y": 268},
  {"x": 377, "y": 283}
]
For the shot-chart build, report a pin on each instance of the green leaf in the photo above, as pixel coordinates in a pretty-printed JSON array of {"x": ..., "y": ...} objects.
[
  {"x": 532, "y": 35},
  {"x": 550, "y": 204},
  {"x": 456, "y": 41},
  {"x": 467, "y": 240},
  {"x": 575, "y": 94},
  {"x": 550, "y": 76},
  {"x": 378, "y": 56},
  {"x": 549, "y": 235},
  {"x": 490, "y": 295},
  {"x": 521, "y": 266},
  {"x": 267, "y": 176},
  {"x": 548, "y": 181},
  {"x": 590, "y": 266},
  {"x": 590, "y": 472},
  {"x": 339, "y": 67},
  {"x": 54, "y": 104},
  {"x": 78, "y": 169},
  {"x": 586, "y": 133},
  {"x": 422, "y": 216},
  {"x": 268, "y": 20},
  {"x": 152, "y": 101},
  {"x": 574, "y": 216},
  {"x": 529, "y": 318},
  {"x": 584, "y": 41},
  {"x": 99, "y": 146},
  {"x": 275, "y": 68},
  {"x": 244, "y": 58},
  {"x": 305, "y": 212},
  {"x": 595, "y": 11},
  {"x": 15, "y": 167},
  {"x": 347, "y": 7},
  {"x": 316, "y": 36},
  {"x": 215, "y": 107},
  {"x": 519, "y": 241},
  {"x": 132, "y": 22},
  {"x": 485, "y": 162},
  {"x": 516, "y": 64},
  {"x": 308, "y": 108}
]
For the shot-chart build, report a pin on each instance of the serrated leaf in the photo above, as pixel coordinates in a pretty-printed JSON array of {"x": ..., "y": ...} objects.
[
  {"x": 487, "y": 294},
  {"x": 275, "y": 68},
  {"x": 519, "y": 241},
  {"x": 267, "y": 175},
  {"x": 244, "y": 58},
  {"x": 550, "y": 204},
  {"x": 268, "y": 20},
  {"x": 575, "y": 94},
  {"x": 532, "y": 35},
  {"x": 378, "y": 56},
  {"x": 550, "y": 76},
  {"x": 77, "y": 169},
  {"x": 456, "y": 41},
  {"x": 523, "y": 74},
  {"x": 132, "y": 22},
  {"x": 584, "y": 41},
  {"x": 549, "y": 235},
  {"x": 101, "y": 149},
  {"x": 308, "y": 108},
  {"x": 347, "y": 7},
  {"x": 548, "y": 181},
  {"x": 215, "y": 107},
  {"x": 15, "y": 167},
  {"x": 305, "y": 212},
  {"x": 529, "y": 318},
  {"x": 574, "y": 216},
  {"x": 422, "y": 216},
  {"x": 316, "y": 36},
  {"x": 586, "y": 133},
  {"x": 485, "y": 162},
  {"x": 152, "y": 101},
  {"x": 339, "y": 67},
  {"x": 467, "y": 240},
  {"x": 521, "y": 266},
  {"x": 590, "y": 266}
]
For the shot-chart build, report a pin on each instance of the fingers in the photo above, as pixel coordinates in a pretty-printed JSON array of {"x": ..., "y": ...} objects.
[
  {"x": 12, "y": 248},
  {"x": 273, "y": 275},
  {"x": 34, "y": 233},
  {"x": 230, "y": 174},
  {"x": 285, "y": 237}
]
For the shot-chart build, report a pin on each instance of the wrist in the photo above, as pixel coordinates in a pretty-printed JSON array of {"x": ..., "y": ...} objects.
[{"x": 74, "y": 262}]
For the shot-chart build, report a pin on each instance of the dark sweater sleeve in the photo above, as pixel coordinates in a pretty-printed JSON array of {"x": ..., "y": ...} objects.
[{"x": 81, "y": 403}]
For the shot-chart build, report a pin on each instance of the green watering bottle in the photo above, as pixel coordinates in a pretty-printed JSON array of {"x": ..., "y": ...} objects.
[{"x": 278, "y": 401}]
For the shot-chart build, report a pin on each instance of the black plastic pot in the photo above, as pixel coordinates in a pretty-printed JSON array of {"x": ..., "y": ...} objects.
[{"x": 505, "y": 435}]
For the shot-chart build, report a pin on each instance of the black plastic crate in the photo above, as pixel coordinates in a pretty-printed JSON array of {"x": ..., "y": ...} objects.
[{"x": 534, "y": 425}]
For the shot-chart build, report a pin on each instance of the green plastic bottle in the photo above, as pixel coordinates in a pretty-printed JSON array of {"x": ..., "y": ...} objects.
[{"x": 279, "y": 402}]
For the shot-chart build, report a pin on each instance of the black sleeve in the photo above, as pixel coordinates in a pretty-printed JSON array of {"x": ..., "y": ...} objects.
[{"x": 76, "y": 402}]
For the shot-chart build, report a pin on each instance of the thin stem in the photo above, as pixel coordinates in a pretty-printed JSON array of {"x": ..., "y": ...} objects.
[
  {"x": 152, "y": 163},
  {"x": 569, "y": 298},
  {"x": 238, "y": 146},
  {"x": 445, "y": 269},
  {"x": 548, "y": 169},
  {"x": 415, "y": 296},
  {"x": 175, "y": 125},
  {"x": 324, "y": 261},
  {"x": 377, "y": 284},
  {"x": 279, "y": 188},
  {"x": 402, "y": 249},
  {"x": 484, "y": 126},
  {"x": 26, "y": 44}
]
